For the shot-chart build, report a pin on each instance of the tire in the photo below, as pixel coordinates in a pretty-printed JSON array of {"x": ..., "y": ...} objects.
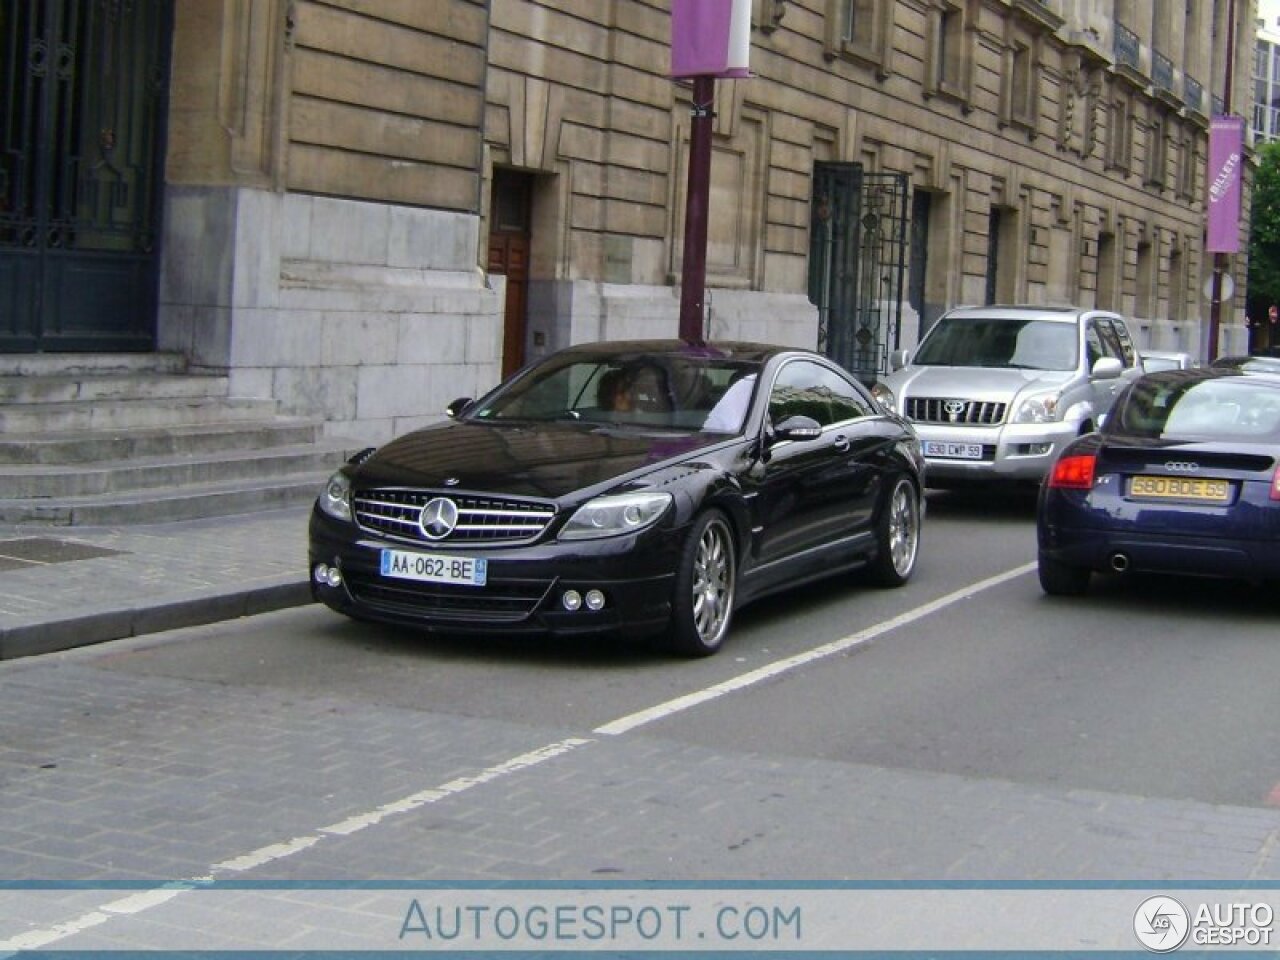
[
  {"x": 897, "y": 535},
  {"x": 1060, "y": 579},
  {"x": 706, "y": 583}
]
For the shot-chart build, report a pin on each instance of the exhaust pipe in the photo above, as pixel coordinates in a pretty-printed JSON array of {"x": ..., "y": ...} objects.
[{"x": 1119, "y": 562}]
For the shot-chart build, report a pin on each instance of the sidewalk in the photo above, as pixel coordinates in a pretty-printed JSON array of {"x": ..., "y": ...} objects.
[{"x": 64, "y": 587}]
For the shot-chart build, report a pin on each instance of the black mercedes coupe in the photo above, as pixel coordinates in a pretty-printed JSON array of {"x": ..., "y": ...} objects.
[{"x": 638, "y": 488}]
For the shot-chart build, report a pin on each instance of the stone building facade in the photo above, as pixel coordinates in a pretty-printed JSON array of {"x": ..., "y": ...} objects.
[{"x": 370, "y": 207}]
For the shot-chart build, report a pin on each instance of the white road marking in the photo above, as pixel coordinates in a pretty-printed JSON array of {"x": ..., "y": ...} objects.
[
  {"x": 779, "y": 667},
  {"x": 147, "y": 899}
]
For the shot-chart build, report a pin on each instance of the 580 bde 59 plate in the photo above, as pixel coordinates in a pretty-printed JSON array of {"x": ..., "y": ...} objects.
[
  {"x": 434, "y": 568},
  {"x": 1180, "y": 488}
]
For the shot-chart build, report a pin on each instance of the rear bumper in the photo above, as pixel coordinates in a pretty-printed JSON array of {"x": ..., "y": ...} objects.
[{"x": 1132, "y": 552}]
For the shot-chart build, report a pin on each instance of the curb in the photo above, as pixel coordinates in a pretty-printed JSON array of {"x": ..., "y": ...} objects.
[{"x": 99, "y": 625}]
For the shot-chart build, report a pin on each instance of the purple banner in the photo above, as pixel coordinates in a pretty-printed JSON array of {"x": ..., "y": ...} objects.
[
  {"x": 1226, "y": 154},
  {"x": 710, "y": 38}
]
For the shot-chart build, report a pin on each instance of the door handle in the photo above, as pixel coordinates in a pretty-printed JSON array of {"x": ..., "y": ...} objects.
[{"x": 841, "y": 443}]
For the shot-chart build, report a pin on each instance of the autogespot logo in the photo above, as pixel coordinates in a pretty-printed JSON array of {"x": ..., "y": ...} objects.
[{"x": 1161, "y": 924}]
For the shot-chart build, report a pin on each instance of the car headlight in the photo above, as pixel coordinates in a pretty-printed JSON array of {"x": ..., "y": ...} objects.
[
  {"x": 335, "y": 499},
  {"x": 615, "y": 514},
  {"x": 884, "y": 396},
  {"x": 1041, "y": 408}
]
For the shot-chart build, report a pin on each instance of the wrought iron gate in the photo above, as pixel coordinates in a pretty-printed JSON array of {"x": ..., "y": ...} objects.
[
  {"x": 83, "y": 86},
  {"x": 857, "y": 257}
]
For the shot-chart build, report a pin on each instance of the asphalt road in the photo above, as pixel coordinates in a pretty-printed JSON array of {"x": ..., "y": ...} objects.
[
  {"x": 964, "y": 727},
  {"x": 1142, "y": 687}
]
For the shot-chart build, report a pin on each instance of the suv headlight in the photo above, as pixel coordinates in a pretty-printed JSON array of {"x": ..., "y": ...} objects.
[
  {"x": 1040, "y": 408},
  {"x": 335, "y": 499},
  {"x": 884, "y": 396},
  {"x": 615, "y": 514}
]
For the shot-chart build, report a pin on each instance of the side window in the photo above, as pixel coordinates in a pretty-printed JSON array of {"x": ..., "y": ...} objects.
[
  {"x": 1127, "y": 348},
  {"x": 811, "y": 390},
  {"x": 1110, "y": 341},
  {"x": 1097, "y": 345},
  {"x": 847, "y": 401}
]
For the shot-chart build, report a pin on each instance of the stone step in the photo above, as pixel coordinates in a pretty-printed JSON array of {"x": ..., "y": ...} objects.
[
  {"x": 85, "y": 415},
  {"x": 90, "y": 364},
  {"x": 105, "y": 478},
  {"x": 191, "y": 440},
  {"x": 115, "y": 386},
  {"x": 189, "y": 502}
]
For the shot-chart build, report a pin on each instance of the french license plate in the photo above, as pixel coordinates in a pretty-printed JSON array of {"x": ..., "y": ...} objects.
[
  {"x": 434, "y": 568},
  {"x": 953, "y": 451},
  {"x": 1180, "y": 488}
]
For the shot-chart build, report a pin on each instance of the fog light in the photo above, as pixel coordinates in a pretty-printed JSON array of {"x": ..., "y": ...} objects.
[
  {"x": 326, "y": 575},
  {"x": 572, "y": 600},
  {"x": 595, "y": 600}
]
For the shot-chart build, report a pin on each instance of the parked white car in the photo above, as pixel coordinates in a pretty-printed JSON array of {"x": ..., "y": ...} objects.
[
  {"x": 999, "y": 391},
  {"x": 1153, "y": 361}
]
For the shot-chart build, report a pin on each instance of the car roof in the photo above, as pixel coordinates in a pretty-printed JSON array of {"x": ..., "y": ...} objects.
[
  {"x": 1032, "y": 312},
  {"x": 1194, "y": 374},
  {"x": 726, "y": 350}
]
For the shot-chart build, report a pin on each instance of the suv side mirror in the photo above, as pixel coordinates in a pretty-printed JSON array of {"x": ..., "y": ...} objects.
[
  {"x": 899, "y": 359},
  {"x": 1107, "y": 368}
]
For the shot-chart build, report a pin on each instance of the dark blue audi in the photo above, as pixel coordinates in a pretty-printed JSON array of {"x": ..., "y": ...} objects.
[{"x": 1181, "y": 479}]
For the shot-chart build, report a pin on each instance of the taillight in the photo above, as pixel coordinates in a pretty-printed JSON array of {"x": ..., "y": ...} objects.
[
  {"x": 1275, "y": 485},
  {"x": 1076, "y": 473}
]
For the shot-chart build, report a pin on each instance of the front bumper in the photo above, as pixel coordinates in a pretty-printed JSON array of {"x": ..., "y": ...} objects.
[
  {"x": 523, "y": 590},
  {"x": 1012, "y": 451}
]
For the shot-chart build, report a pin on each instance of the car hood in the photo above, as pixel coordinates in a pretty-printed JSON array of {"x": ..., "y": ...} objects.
[
  {"x": 987, "y": 383},
  {"x": 549, "y": 460}
]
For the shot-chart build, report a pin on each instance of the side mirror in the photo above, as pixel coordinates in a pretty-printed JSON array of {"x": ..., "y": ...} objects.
[
  {"x": 797, "y": 428},
  {"x": 457, "y": 408},
  {"x": 899, "y": 359},
  {"x": 1107, "y": 368}
]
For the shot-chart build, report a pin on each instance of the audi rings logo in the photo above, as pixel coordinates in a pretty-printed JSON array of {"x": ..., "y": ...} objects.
[
  {"x": 438, "y": 518},
  {"x": 953, "y": 409},
  {"x": 1161, "y": 924},
  {"x": 1182, "y": 466}
]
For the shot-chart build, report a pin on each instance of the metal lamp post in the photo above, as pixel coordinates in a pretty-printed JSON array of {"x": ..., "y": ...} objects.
[{"x": 709, "y": 39}]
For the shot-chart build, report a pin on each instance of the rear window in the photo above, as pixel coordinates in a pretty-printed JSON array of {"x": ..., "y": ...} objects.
[
  {"x": 1011, "y": 342},
  {"x": 1176, "y": 409}
]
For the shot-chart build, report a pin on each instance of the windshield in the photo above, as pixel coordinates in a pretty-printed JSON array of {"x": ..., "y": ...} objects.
[
  {"x": 1013, "y": 342},
  {"x": 693, "y": 392},
  {"x": 1175, "y": 409}
]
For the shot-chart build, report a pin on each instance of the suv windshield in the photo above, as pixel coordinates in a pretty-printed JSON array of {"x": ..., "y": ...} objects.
[{"x": 1014, "y": 342}]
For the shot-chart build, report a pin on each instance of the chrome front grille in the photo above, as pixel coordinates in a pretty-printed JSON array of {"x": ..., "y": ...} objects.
[
  {"x": 950, "y": 410},
  {"x": 481, "y": 519}
]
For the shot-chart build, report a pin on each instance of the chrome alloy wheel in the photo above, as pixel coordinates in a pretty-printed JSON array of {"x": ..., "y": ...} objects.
[
  {"x": 713, "y": 583},
  {"x": 904, "y": 528}
]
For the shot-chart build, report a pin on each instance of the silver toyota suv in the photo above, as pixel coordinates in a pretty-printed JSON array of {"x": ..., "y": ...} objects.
[{"x": 997, "y": 392}]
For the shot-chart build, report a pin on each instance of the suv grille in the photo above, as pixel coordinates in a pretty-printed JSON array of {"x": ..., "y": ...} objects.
[
  {"x": 481, "y": 519},
  {"x": 947, "y": 410}
]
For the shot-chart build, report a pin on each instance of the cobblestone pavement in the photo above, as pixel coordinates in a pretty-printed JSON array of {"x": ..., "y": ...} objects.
[{"x": 63, "y": 587}]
